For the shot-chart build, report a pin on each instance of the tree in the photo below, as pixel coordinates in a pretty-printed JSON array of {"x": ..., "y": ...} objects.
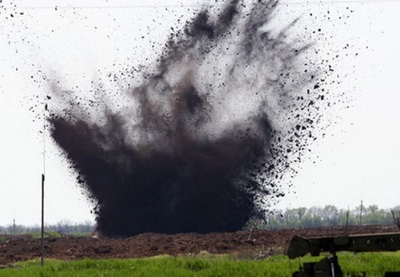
[
  {"x": 396, "y": 216},
  {"x": 330, "y": 215},
  {"x": 372, "y": 209},
  {"x": 64, "y": 227},
  {"x": 300, "y": 212}
]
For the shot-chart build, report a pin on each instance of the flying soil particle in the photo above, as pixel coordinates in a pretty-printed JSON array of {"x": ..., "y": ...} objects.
[{"x": 201, "y": 143}]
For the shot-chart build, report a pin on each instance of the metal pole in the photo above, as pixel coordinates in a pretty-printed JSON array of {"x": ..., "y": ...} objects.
[
  {"x": 42, "y": 229},
  {"x": 44, "y": 172}
]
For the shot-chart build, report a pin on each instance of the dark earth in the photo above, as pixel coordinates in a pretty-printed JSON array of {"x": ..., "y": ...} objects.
[{"x": 241, "y": 245}]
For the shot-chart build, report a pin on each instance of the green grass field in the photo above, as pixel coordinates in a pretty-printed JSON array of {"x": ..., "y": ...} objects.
[{"x": 206, "y": 265}]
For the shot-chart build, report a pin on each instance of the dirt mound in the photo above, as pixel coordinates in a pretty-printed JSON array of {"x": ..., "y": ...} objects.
[{"x": 242, "y": 244}]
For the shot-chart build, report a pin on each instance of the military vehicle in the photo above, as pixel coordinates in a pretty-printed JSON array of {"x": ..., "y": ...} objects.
[{"x": 329, "y": 265}]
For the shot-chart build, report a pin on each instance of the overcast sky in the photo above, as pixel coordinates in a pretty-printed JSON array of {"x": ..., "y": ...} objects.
[{"x": 75, "y": 43}]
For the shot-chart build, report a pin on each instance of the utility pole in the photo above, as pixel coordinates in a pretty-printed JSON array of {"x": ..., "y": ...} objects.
[
  {"x": 42, "y": 227},
  {"x": 43, "y": 178}
]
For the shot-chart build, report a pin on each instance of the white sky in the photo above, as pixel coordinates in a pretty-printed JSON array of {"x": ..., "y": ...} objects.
[{"x": 359, "y": 158}]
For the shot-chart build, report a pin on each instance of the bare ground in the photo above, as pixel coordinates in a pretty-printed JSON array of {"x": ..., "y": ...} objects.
[{"x": 242, "y": 244}]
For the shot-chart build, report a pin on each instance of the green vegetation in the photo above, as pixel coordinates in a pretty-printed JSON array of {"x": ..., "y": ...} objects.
[
  {"x": 4, "y": 239},
  {"x": 330, "y": 216},
  {"x": 51, "y": 233},
  {"x": 374, "y": 264},
  {"x": 63, "y": 227},
  {"x": 289, "y": 218}
]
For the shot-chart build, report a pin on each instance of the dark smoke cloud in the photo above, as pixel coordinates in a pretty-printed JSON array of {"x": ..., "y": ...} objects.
[{"x": 202, "y": 144}]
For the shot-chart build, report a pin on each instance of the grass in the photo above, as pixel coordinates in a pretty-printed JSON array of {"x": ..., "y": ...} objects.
[
  {"x": 51, "y": 233},
  {"x": 151, "y": 267},
  {"x": 4, "y": 239},
  {"x": 205, "y": 265},
  {"x": 374, "y": 264}
]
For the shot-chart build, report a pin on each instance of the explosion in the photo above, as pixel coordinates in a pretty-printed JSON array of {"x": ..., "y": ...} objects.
[{"x": 206, "y": 140}]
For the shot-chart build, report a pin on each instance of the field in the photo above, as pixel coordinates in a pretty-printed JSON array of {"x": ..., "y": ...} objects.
[
  {"x": 203, "y": 265},
  {"x": 257, "y": 253}
]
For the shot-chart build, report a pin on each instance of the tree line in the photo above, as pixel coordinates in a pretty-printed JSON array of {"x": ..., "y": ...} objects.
[
  {"x": 330, "y": 215},
  {"x": 302, "y": 217},
  {"x": 63, "y": 227}
]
